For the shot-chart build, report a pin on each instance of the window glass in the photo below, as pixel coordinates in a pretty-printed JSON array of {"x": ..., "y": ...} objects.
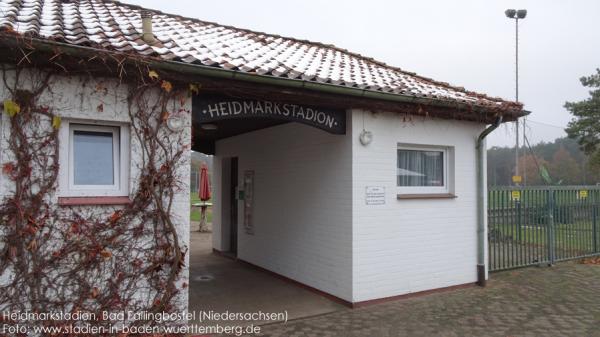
[
  {"x": 420, "y": 168},
  {"x": 93, "y": 158}
]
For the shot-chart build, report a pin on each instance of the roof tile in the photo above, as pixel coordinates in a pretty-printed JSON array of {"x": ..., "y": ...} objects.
[{"x": 117, "y": 26}]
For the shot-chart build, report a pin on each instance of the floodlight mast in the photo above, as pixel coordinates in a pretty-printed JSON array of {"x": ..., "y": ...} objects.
[
  {"x": 510, "y": 13},
  {"x": 516, "y": 15}
]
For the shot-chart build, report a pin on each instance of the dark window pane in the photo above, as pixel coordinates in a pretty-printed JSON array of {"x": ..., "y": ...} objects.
[
  {"x": 93, "y": 159},
  {"x": 420, "y": 168}
]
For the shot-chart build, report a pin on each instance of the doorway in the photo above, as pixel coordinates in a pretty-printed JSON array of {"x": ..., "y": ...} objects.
[{"x": 233, "y": 198}]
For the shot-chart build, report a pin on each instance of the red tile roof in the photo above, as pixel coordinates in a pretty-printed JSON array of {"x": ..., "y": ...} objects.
[{"x": 117, "y": 26}]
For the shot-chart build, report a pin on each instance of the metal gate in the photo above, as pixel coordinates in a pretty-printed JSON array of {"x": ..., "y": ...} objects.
[{"x": 542, "y": 225}]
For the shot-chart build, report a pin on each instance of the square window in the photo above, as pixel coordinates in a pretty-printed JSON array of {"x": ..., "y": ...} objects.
[
  {"x": 94, "y": 160},
  {"x": 420, "y": 168},
  {"x": 423, "y": 169}
]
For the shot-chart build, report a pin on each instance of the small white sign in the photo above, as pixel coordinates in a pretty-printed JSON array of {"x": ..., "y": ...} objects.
[{"x": 375, "y": 195}]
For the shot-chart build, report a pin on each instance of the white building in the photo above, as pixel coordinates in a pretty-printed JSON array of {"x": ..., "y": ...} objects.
[
  {"x": 330, "y": 213},
  {"x": 334, "y": 170}
]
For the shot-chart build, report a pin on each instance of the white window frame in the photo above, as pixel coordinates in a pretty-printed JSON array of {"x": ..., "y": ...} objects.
[
  {"x": 448, "y": 167},
  {"x": 121, "y": 161}
]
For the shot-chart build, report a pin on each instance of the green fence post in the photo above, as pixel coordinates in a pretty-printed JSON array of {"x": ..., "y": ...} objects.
[
  {"x": 595, "y": 227},
  {"x": 519, "y": 220},
  {"x": 550, "y": 228}
]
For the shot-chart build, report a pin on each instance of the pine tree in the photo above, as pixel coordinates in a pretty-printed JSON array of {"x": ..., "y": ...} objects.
[{"x": 585, "y": 125}]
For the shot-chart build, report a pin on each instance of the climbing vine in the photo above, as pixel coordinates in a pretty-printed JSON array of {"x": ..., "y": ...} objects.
[{"x": 85, "y": 260}]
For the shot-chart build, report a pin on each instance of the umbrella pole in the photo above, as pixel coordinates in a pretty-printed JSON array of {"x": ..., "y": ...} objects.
[{"x": 202, "y": 219}]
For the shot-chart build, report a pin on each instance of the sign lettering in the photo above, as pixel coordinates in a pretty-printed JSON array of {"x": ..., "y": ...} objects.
[
  {"x": 209, "y": 109},
  {"x": 375, "y": 195},
  {"x": 515, "y": 195}
]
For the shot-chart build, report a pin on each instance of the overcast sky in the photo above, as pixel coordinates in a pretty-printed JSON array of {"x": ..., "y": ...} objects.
[{"x": 468, "y": 43}]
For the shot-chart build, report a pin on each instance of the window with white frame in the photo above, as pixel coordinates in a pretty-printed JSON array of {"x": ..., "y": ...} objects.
[
  {"x": 94, "y": 160},
  {"x": 424, "y": 169}
]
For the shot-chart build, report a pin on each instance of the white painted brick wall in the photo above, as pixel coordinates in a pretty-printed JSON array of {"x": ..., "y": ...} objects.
[
  {"x": 78, "y": 98},
  {"x": 302, "y": 204},
  {"x": 310, "y": 185},
  {"x": 408, "y": 246}
]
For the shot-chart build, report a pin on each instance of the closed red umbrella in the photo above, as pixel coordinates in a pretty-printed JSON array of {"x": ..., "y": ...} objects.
[
  {"x": 204, "y": 195},
  {"x": 204, "y": 190}
]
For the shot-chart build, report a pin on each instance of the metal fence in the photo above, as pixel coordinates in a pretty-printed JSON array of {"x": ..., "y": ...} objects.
[
  {"x": 542, "y": 225},
  {"x": 194, "y": 180}
]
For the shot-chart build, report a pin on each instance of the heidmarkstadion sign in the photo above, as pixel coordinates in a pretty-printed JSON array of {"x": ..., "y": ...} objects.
[{"x": 210, "y": 109}]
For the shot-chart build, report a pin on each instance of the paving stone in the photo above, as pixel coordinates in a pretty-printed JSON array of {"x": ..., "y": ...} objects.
[{"x": 563, "y": 300}]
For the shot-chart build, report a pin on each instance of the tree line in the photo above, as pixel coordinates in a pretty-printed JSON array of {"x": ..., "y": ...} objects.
[{"x": 564, "y": 161}]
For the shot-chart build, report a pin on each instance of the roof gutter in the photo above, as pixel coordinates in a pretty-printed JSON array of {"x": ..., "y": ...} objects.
[
  {"x": 309, "y": 85},
  {"x": 480, "y": 154},
  {"x": 214, "y": 72},
  {"x": 481, "y": 209}
]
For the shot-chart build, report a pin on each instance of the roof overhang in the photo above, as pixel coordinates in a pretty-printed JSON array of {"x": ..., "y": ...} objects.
[{"x": 218, "y": 79}]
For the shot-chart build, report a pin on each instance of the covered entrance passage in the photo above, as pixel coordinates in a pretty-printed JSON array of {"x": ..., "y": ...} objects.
[
  {"x": 275, "y": 239},
  {"x": 224, "y": 284}
]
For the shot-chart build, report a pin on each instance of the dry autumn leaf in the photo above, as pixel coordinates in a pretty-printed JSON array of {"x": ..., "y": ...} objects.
[
  {"x": 165, "y": 116},
  {"x": 32, "y": 246},
  {"x": 167, "y": 86},
  {"x": 106, "y": 254},
  {"x": 115, "y": 217},
  {"x": 153, "y": 74},
  {"x": 11, "y": 107},
  {"x": 94, "y": 292},
  {"x": 56, "y": 122},
  {"x": 591, "y": 260},
  {"x": 194, "y": 88},
  {"x": 8, "y": 168}
]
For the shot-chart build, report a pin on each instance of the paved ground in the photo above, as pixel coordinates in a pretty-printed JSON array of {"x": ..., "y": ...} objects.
[
  {"x": 560, "y": 301},
  {"x": 221, "y": 284},
  {"x": 195, "y": 226}
]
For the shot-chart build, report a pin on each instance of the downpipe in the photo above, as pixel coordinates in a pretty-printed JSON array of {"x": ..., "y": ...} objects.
[{"x": 481, "y": 209}]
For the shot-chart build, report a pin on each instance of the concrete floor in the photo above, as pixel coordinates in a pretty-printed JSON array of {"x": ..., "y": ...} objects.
[{"x": 222, "y": 284}]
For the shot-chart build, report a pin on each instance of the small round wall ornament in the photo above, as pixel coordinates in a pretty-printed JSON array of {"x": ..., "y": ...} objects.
[{"x": 366, "y": 137}]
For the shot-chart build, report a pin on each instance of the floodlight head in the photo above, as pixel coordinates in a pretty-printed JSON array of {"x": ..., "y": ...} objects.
[
  {"x": 510, "y": 13},
  {"x": 521, "y": 13}
]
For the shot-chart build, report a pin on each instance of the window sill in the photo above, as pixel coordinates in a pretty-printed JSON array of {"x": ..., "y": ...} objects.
[
  {"x": 93, "y": 201},
  {"x": 426, "y": 196}
]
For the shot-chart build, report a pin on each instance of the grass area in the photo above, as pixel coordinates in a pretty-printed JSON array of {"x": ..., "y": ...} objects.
[
  {"x": 576, "y": 236},
  {"x": 195, "y": 211},
  {"x": 536, "y": 197},
  {"x": 509, "y": 249}
]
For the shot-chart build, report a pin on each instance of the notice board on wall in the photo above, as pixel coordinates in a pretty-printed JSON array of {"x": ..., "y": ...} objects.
[
  {"x": 248, "y": 201},
  {"x": 375, "y": 195}
]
